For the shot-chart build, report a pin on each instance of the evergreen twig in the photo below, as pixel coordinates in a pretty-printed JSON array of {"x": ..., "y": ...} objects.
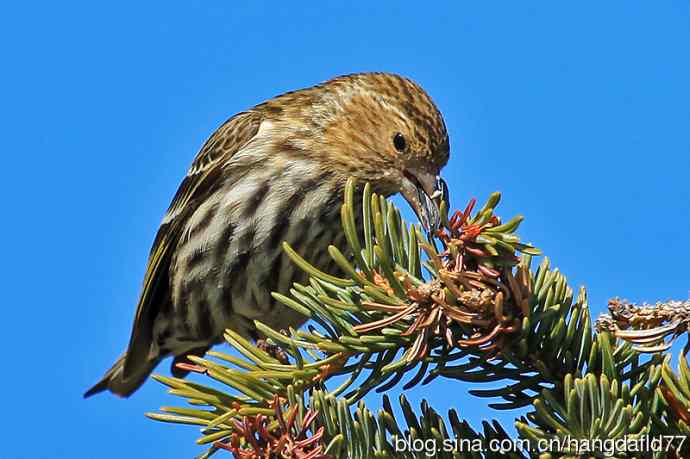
[{"x": 462, "y": 304}]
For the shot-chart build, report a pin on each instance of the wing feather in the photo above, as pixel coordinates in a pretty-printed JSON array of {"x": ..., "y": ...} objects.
[{"x": 200, "y": 182}]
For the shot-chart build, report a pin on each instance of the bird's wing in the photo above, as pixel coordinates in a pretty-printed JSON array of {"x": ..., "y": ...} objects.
[{"x": 201, "y": 180}]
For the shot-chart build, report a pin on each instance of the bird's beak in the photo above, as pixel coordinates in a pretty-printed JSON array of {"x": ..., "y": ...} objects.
[{"x": 424, "y": 192}]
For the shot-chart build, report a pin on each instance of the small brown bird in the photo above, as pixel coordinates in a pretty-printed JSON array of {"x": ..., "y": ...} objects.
[{"x": 271, "y": 174}]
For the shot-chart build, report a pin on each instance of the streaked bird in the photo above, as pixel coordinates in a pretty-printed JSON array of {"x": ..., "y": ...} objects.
[{"x": 270, "y": 174}]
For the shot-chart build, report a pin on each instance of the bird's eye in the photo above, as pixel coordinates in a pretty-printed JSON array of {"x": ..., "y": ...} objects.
[{"x": 399, "y": 142}]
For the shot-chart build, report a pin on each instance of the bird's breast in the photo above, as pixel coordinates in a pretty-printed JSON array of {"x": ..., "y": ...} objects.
[{"x": 230, "y": 256}]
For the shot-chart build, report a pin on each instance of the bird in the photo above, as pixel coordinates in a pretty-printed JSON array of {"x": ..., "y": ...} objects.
[{"x": 271, "y": 174}]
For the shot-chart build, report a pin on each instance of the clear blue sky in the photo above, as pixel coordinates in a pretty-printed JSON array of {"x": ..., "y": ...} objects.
[{"x": 578, "y": 113}]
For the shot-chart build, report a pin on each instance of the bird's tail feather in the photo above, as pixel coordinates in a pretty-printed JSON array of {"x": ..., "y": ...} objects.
[{"x": 114, "y": 381}]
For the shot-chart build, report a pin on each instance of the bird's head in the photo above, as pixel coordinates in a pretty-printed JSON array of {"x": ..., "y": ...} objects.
[{"x": 380, "y": 128}]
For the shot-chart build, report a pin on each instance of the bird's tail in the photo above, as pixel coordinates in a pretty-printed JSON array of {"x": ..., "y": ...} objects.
[{"x": 114, "y": 381}]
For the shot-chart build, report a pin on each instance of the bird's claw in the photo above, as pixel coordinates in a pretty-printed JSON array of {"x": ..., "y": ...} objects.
[{"x": 273, "y": 350}]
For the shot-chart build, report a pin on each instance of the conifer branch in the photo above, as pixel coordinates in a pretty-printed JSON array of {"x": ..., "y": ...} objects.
[
  {"x": 646, "y": 326},
  {"x": 461, "y": 304}
]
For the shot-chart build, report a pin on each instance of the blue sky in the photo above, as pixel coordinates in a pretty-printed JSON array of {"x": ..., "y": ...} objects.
[{"x": 577, "y": 112}]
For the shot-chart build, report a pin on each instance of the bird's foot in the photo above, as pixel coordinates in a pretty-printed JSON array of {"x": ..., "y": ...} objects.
[
  {"x": 273, "y": 350},
  {"x": 182, "y": 364},
  {"x": 187, "y": 367}
]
